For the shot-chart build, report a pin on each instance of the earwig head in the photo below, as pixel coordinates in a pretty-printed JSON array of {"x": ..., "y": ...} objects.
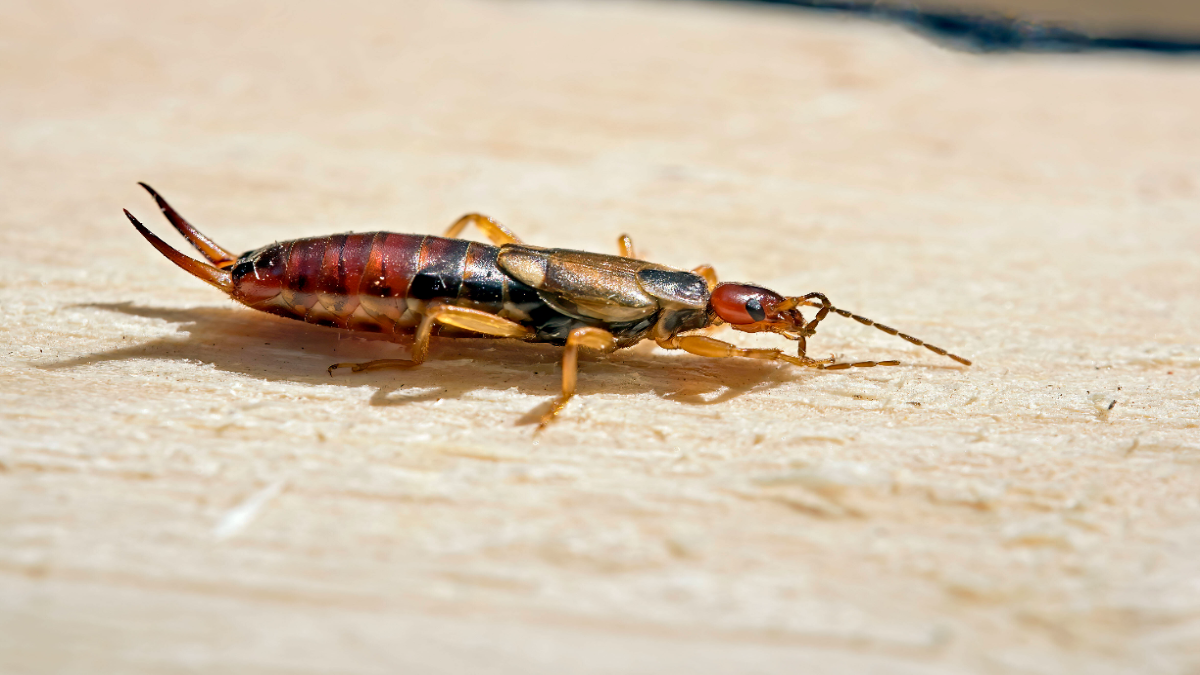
[{"x": 754, "y": 309}]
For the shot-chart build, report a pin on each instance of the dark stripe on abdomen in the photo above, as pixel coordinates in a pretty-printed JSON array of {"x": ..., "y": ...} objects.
[
  {"x": 482, "y": 280},
  {"x": 304, "y": 265},
  {"x": 364, "y": 281},
  {"x": 391, "y": 263},
  {"x": 258, "y": 275},
  {"x": 356, "y": 251},
  {"x": 440, "y": 271},
  {"x": 330, "y": 280}
]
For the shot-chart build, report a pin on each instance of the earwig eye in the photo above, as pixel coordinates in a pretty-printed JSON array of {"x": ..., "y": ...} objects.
[
  {"x": 741, "y": 304},
  {"x": 755, "y": 309}
]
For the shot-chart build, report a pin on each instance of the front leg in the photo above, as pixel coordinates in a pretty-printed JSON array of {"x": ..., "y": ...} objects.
[
  {"x": 713, "y": 348},
  {"x": 701, "y": 345}
]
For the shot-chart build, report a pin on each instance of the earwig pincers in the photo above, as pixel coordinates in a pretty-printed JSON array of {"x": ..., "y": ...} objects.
[{"x": 401, "y": 284}]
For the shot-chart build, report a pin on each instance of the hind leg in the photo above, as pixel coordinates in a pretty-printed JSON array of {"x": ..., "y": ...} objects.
[
  {"x": 584, "y": 336},
  {"x": 447, "y": 315}
]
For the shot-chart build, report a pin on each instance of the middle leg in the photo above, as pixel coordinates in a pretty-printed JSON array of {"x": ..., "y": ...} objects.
[{"x": 584, "y": 336}]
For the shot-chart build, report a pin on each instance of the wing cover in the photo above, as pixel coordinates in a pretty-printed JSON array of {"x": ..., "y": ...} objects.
[{"x": 590, "y": 286}]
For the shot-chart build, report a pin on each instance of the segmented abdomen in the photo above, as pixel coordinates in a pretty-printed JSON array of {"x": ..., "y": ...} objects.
[{"x": 376, "y": 281}]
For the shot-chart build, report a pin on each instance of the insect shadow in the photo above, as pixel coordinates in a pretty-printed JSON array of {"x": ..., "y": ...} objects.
[{"x": 282, "y": 350}]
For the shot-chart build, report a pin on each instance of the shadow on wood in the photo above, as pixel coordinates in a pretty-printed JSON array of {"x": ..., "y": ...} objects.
[{"x": 274, "y": 349}]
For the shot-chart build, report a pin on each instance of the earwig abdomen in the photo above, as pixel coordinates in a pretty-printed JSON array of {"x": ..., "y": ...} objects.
[{"x": 376, "y": 281}]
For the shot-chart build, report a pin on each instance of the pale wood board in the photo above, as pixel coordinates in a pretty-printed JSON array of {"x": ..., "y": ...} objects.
[{"x": 184, "y": 489}]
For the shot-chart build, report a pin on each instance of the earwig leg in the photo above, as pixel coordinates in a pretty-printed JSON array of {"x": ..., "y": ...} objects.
[
  {"x": 712, "y": 348},
  {"x": 584, "y": 336},
  {"x": 709, "y": 274},
  {"x": 465, "y": 318},
  {"x": 701, "y": 345},
  {"x": 450, "y": 315},
  {"x": 496, "y": 233},
  {"x": 217, "y": 255},
  {"x": 377, "y": 364},
  {"x": 625, "y": 247}
]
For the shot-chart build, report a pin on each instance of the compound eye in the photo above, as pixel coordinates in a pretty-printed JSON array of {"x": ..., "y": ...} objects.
[{"x": 742, "y": 304}]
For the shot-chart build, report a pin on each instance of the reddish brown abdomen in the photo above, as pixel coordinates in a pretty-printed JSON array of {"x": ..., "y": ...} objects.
[{"x": 375, "y": 281}]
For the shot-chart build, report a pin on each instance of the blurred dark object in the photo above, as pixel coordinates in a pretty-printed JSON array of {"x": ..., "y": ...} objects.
[{"x": 987, "y": 31}]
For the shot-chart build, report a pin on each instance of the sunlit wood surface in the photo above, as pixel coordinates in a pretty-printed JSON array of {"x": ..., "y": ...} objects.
[{"x": 184, "y": 489}]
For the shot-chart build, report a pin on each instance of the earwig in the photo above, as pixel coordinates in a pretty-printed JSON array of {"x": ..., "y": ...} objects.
[{"x": 409, "y": 284}]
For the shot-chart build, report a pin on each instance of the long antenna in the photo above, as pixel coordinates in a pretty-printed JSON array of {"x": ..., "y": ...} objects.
[
  {"x": 826, "y": 306},
  {"x": 892, "y": 331}
]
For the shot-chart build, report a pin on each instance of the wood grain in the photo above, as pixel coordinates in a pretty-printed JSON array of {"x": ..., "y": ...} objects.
[{"x": 183, "y": 488}]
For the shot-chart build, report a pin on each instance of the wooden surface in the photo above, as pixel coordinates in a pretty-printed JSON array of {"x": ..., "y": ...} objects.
[{"x": 184, "y": 489}]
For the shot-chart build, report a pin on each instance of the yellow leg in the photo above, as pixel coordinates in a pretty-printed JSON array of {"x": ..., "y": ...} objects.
[
  {"x": 592, "y": 338},
  {"x": 625, "y": 247},
  {"x": 709, "y": 274},
  {"x": 713, "y": 348},
  {"x": 496, "y": 233},
  {"x": 449, "y": 315}
]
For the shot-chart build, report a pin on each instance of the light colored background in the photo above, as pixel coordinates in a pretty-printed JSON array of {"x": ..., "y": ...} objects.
[{"x": 184, "y": 489}]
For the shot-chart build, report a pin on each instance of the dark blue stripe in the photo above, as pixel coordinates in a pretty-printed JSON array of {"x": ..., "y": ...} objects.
[
  {"x": 995, "y": 33},
  {"x": 440, "y": 275}
]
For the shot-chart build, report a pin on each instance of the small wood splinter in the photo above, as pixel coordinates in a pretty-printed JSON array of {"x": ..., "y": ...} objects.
[{"x": 401, "y": 284}]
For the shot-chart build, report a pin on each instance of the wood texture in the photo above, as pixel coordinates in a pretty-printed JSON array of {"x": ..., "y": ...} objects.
[{"x": 184, "y": 489}]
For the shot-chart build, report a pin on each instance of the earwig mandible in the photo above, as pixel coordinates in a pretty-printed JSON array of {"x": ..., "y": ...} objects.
[{"x": 418, "y": 284}]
